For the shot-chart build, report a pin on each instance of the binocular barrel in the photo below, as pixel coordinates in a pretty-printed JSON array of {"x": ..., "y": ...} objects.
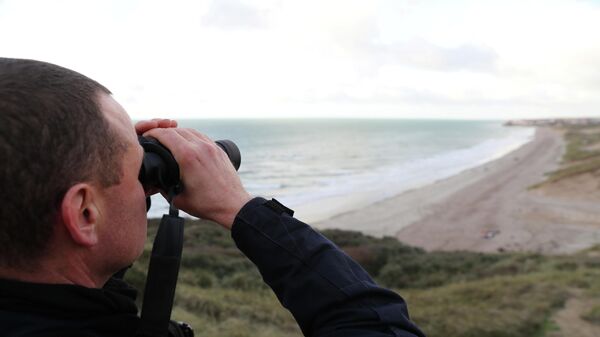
[
  {"x": 160, "y": 169},
  {"x": 232, "y": 151}
]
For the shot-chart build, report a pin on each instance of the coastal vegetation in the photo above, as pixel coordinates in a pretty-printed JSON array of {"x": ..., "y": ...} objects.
[
  {"x": 450, "y": 294},
  {"x": 582, "y": 152}
]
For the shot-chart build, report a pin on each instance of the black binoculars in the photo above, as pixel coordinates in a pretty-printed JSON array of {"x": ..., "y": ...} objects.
[{"x": 160, "y": 169}]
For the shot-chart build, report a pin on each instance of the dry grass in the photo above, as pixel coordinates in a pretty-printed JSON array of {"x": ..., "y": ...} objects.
[
  {"x": 455, "y": 294},
  {"x": 581, "y": 154}
]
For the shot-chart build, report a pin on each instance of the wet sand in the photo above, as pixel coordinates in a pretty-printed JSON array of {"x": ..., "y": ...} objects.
[{"x": 491, "y": 208}]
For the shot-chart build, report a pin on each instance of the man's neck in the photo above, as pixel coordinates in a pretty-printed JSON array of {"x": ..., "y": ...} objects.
[{"x": 65, "y": 273}]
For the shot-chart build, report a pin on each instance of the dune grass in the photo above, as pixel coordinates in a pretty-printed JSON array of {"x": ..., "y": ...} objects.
[
  {"x": 453, "y": 294},
  {"x": 582, "y": 153}
]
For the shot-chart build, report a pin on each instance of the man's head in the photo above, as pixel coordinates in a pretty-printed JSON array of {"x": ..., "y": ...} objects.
[{"x": 65, "y": 145}]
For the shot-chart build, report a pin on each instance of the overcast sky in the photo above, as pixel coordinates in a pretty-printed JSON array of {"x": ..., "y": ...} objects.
[{"x": 278, "y": 58}]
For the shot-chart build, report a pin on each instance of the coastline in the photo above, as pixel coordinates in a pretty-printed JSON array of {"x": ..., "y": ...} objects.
[
  {"x": 406, "y": 175},
  {"x": 488, "y": 208}
]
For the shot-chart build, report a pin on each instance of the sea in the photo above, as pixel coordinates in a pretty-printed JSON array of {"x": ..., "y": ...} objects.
[{"x": 324, "y": 167}]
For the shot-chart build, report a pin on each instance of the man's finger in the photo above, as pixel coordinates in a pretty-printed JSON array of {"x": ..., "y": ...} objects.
[
  {"x": 175, "y": 142},
  {"x": 165, "y": 123},
  {"x": 194, "y": 137},
  {"x": 202, "y": 136},
  {"x": 146, "y": 125},
  {"x": 143, "y": 126}
]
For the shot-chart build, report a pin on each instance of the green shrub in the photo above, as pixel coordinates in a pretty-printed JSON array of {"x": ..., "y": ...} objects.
[
  {"x": 434, "y": 269},
  {"x": 244, "y": 281},
  {"x": 499, "y": 307}
]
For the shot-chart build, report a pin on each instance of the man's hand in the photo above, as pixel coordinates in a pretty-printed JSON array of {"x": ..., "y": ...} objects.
[{"x": 212, "y": 187}]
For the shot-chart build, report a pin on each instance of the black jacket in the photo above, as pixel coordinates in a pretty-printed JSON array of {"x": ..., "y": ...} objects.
[
  {"x": 327, "y": 292},
  {"x": 30, "y": 309}
]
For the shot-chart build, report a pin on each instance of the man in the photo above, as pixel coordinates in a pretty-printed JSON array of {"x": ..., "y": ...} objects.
[{"x": 73, "y": 214}]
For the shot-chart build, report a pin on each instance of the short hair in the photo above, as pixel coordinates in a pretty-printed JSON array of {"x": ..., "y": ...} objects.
[{"x": 53, "y": 135}]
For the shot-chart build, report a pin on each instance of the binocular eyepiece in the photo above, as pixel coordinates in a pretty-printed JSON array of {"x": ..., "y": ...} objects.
[{"x": 160, "y": 169}]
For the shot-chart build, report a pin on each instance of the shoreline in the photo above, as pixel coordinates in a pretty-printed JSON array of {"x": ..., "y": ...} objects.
[
  {"x": 488, "y": 208},
  {"x": 407, "y": 177}
]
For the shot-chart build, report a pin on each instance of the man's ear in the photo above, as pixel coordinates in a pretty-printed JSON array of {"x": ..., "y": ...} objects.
[{"x": 79, "y": 213}]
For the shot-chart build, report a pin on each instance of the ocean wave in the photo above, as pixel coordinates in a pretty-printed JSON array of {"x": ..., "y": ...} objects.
[{"x": 384, "y": 182}]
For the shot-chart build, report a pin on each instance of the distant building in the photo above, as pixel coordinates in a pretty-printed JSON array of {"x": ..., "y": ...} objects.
[{"x": 554, "y": 122}]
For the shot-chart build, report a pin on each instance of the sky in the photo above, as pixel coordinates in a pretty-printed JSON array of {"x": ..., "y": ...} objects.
[{"x": 507, "y": 59}]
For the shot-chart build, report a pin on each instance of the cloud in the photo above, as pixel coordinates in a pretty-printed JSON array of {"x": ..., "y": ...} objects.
[
  {"x": 470, "y": 57},
  {"x": 234, "y": 14},
  {"x": 423, "y": 54},
  {"x": 204, "y": 57}
]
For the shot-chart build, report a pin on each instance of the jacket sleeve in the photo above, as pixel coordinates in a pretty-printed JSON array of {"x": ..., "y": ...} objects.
[{"x": 327, "y": 292}]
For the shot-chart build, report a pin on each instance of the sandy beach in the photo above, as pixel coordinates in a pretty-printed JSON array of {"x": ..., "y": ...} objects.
[{"x": 491, "y": 207}]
